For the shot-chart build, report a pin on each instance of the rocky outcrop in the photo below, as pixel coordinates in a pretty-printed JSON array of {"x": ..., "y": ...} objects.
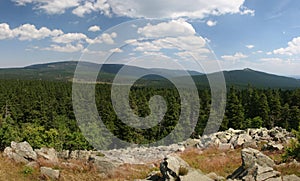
[
  {"x": 48, "y": 154},
  {"x": 246, "y": 138},
  {"x": 175, "y": 163},
  {"x": 20, "y": 152},
  {"x": 257, "y": 167},
  {"x": 50, "y": 173}
]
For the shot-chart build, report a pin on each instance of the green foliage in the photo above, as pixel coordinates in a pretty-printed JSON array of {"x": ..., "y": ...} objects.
[
  {"x": 41, "y": 112},
  {"x": 183, "y": 171},
  {"x": 293, "y": 151},
  {"x": 27, "y": 170}
]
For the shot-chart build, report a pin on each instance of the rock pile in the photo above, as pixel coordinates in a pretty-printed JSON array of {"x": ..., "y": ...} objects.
[
  {"x": 258, "y": 167},
  {"x": 246, "y": 138}
]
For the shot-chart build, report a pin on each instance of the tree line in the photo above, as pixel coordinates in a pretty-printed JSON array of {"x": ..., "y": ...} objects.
[{"x": 41, "y": 112}]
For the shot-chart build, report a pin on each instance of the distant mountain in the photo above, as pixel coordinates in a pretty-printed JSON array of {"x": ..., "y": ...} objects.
[
  {"x": 64, "y": 71},
  {"x": 245, "y": 77}
]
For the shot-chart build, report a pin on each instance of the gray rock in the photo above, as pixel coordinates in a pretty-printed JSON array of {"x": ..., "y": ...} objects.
[
  {"x": 225, "y": 146},
  {"x": 64, "y": 154},
  {"x": 242, "y": 138},
  {"x": 215, "y": 177},
  {"x": 290, "y": 178},
  {"x": 175, "y": 162},
  {"x": 195, "y": 175},
  {"x": 74, "y": 155},
  {"x": 266, "y": 173},
  {"x": 47, "y": 153},
  {"x": 105, "y": 165},
  {"x": 49, "y": 172},
  {"x": 20, "y": 152},
  {"x": 24, "y": 150},
  {"x": 251, "y": 156}
]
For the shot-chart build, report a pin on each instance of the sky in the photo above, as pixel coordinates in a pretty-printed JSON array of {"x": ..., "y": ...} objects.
[{"x": 212, "y": 35}]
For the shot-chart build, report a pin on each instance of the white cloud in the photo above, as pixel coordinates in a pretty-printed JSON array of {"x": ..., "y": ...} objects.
[
  {"x": 293, "y": 48},
  {"x": 5, "y": 31},
  {"x": 69, "y": 38},
  {"x": 173, "y": 28},
  {"x": 50, "y": 6},
  {"x": 68, "y": 48},
  {"x": 250, "y": 46},
  {"x": 211, "y": 23},
  {"x": 94, "y": 28},
  {"x": 143, "y": 8},
  {"x": 116, "y": 50},
  {"x": 237, "y": 56},
  {"x": 104, "y": 38},
  {"x": 273, "y": 60},
  {"x": 27, "y": 32},
  {"x": 88, "y": 7},
  {"x": 177, "y": 8}
]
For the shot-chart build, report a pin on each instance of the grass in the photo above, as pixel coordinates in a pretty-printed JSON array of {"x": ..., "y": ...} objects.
[
  {"x": 223, "y": 163},
  {"x": 17, "y": 172}
]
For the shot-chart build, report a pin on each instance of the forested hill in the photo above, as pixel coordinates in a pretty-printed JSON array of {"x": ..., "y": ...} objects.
[{"x": 64, "y": 71}]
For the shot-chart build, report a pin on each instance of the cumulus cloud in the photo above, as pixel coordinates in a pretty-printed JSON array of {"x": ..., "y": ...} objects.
[
  {"x": 88, "y": 7},
  {"x": 94, "y": 28},
  {"x": 177, "y": 8},
  {"x": 250, "y": 46},
  {"x": 237, "y": 56},
  {"x": 143, "y": 8},
  {"x": 69, "y": 38},
  {"x": 50, "y": 6},
  {"x": 68, "y": 48},
  {"x": 293, "y": 48},
  {"x": 5, "y": 31},
  {"x": 211, "y": 23},
  {"x": 27, "y": 32},
  {"x": 171, "y": 29}
]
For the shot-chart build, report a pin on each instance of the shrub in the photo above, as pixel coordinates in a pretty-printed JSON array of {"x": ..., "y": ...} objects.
[
  {"x": 183, "y": 171},
  {"x": 293, "y": 151}
]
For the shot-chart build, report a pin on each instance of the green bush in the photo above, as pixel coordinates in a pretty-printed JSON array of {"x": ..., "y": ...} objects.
[{"x": 293, "y": 151}]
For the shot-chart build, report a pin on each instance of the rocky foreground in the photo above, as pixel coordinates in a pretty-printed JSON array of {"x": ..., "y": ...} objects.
[{"x": 255, "y": 165}]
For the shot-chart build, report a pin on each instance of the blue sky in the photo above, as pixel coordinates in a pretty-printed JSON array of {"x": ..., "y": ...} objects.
[{"x": 262, "y": 35}]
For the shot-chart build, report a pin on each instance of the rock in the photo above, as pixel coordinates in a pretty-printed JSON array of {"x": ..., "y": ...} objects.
[
  {"x": 277, "y": 147},
  {"x": 64, "y": 154},
  {"x": 20, "y": 152},
  {"x": 105, "y": 165},
  {"x": 215, "y": 177},
  {"x": 33, "y": 164},
  {"x": 250, "y": 144},
  {"x": 266, "y": 173},
  {"x": 255, "y": 167},
  {"x": 74, "y": 154},
  {"x": 84, "y": 155},
  {"x": 195, "y": 175},
  {"x": 225, "y": 146},
  {"x": 175, "y": 162},
  {"x": 47, "y": 153},
  {"x": 191, "y": 143},
  {"x": 290, "y": 178},
  {"x": 49, "y": 172},
  {"x": 242, "y": 139},
  {"x": 24, "y": 150},
  {"x": 251, "y": 156}
]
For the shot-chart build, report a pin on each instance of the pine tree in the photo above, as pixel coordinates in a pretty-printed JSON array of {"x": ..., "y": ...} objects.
[{"x": 234, "y": 111}]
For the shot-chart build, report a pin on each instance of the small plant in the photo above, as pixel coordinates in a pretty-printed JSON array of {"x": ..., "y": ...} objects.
[
  {"x": 100, "y": 154},
  {"x": 183, "y": 171},
  {"x": 27, "y": 170}
]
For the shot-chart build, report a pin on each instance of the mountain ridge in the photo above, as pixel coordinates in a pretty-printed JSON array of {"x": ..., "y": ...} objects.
[{"x": 64, "y": 71}]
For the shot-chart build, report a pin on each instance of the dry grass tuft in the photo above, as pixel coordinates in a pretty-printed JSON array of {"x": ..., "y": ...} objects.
[{"x": 223, "y": 163}]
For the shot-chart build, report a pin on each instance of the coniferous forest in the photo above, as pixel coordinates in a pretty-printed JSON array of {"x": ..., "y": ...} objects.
[{"x": 41, "y": 112}]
